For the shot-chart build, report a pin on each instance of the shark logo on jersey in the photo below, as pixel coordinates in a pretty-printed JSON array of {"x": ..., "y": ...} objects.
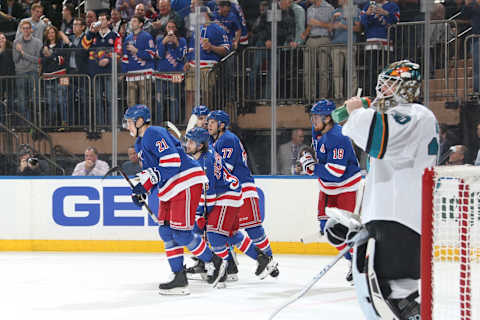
[{"x": 400, "y": 117}]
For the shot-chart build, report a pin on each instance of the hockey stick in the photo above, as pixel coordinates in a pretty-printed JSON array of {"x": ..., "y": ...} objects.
[
  {"x": 362, "y": 235},
  {"x": 174, "y": 129},
  {"x": 124, "y": 175}
]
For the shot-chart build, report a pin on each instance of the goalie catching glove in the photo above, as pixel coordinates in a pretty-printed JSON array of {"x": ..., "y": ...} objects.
[{"x": 148, "y": 178}]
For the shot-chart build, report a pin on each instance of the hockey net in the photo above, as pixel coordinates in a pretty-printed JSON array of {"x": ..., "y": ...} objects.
[{"x": 451, "y": 243}]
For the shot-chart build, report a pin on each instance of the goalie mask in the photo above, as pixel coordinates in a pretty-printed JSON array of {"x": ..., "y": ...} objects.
[{"x": 398, "y": 83}]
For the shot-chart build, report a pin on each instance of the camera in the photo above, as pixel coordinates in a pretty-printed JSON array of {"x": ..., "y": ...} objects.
[
  {"x": 171, "y": 33},
  {"x": 33, "y": 161},
  {"x": 97, "y": 24}
]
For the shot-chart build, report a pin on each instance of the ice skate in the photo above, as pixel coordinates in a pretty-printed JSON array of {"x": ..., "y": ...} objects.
[
  {"x": 177, "y": 286},
  {"x": 232, "y": 271},
  {"x": 216, "y": 270},
  {"x": 197, "y": 269},
  {"x": 265, "y": 265}
]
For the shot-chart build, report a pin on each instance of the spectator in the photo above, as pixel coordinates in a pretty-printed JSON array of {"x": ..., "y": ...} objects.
[
  {"x": 138, "y": 53},
  {"x": 258, "y": 39},
  {"x": 92, "y": 166},
  {"x": 117, "y": 24},
  {"x": 317, "y": 53},
  {"x": 77, "y": 63},
  {"x": 214, "y": 46},
  {"x": 338, "y": 29},
  {"x": 237, "y": 11},
  {"x": 140, "y": 12},
  {"x": 131, "y": 166},
  {"x": 29, "y": 164},
  {"x": 99, "y": 6},
  {"x": 27, "y": 7},
  {"x": 457, "y": 157},
  {"x": 181, "y": 7},
  {"x": 26, "y": 55},
  {"x": 290, "y": 30},
  {"x": 376, "y": 19},
  {"x": 52, "y": 60},
  {"x": 232, "y": 25},
  {"x": 67, "y": 19},
  {"x": 165, "y": 14},
  {"x": 90, "y": 18},
  {"x": 11, "y": 11},
  {"x": 127, "y": 7},
  {"x": 38, "y": 25},
  {"x": 171, "y": 52},
  {"x": 471, "y": 11},
  {"x": 7, "y": 69},
  {"x": 100, "y": 41},
  {"x": 288, "y": 153}
]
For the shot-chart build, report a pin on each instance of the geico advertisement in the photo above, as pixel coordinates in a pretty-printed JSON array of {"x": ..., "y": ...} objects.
[{"x": 95, "y": 209}]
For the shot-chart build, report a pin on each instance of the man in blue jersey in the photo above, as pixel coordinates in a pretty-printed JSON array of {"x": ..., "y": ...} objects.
[
  {"x": 179, "y": 179},
  {"x": 336, "y": 167},
  {"x": 228, "y": 145},
  {"x": 220, "y": 203}
]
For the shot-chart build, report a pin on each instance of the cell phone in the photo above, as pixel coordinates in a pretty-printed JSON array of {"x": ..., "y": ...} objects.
[
  {"x": 373, "y": 3},
  {"x": 97, "y": 24}
]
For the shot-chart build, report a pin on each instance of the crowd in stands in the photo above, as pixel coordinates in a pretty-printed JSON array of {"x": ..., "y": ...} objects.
[{"x": 42, "y": 40}]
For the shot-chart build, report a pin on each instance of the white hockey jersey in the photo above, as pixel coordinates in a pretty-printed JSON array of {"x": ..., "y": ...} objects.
[{"x": 401, "y": 143}]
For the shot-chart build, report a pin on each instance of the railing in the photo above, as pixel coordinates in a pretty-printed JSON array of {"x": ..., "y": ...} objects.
[{"x": 471, "y": 77}]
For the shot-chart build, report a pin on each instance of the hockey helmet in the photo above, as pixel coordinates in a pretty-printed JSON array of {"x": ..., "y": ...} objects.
[
  {"x": 220, "y": 116},
  {"x": 138, "y": 111},
  {"x": 198, "y": 135},
  {"x": 200, "y": 111},
  {"x": 323, "y": 107},
  {"x": 399, "y": 82}
]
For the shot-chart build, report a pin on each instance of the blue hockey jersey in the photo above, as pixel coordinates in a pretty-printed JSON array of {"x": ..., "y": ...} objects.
[
  {"x": 230, "y": 23},
  {"x": 238, "y": 12},
  {"x": 337, "y": 168},
  {"x": 217, "y": 36},
  {"x": 232, "y": 151},
  {"x": 100, "y": 47},
  {"x": 376, "y": 25},
  {"x": 143, "y": 59},
  {"x": 223, "y": 188},
  {"x": 171, "y": 58},
  {"x": 159, "y": 150}
]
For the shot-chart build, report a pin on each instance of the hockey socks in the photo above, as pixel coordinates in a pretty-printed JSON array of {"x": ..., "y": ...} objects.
[
  {"x": 244, "y": 244},
  {"x": 258, "y": 236}
]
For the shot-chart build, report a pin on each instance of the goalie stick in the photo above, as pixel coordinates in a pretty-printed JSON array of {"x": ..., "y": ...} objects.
[
  {"x": 125, "y": 176},
  {"x": 360, "y": 236}
]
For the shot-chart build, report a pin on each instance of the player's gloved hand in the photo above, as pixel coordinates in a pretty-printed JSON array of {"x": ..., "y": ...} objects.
[
  {"x": 308, "y": 163},
  {"x": 322, "y": 224},
  {"x": 139, "y": 195},
  {"x": 148, "y": 178},
  {"x": 201, "y": 222}
]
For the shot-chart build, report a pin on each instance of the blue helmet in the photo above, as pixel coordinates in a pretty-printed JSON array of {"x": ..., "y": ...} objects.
[
  {"x": 323, "y": 107},
  {"x": 219, "y": 115},
  {"x": 138, "y": 111},
  {"x": 199, "y": 135},
  {"x": 200, "y": 111}
]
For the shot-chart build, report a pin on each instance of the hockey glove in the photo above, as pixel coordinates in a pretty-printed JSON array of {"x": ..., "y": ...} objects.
[
  {"x": 308, "y": 163},
  {"x": 148, "y": 178},
  {"x": 139, "y": 195}
]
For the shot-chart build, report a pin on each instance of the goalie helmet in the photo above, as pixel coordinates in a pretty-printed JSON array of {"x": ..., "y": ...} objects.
[
  {"x": 220, "y": 116},
  {"x": 398, "y": 83},
  {"x": 138, "y": 111},
  {"x": 198, "y": 135},
  {"x": 200, "y": 111},
  {"x": 323, "y": 107}
]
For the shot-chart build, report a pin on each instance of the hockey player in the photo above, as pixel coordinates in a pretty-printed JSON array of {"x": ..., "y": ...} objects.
[
  {"x": 336, "y": 167},
  {"x": 220, "y": 203},
  {"x": 201, "y": 112},
  {"x": 231, "y": 149},
  {"x": 401, "y": 137},
  {"x": 179, "y": 179}
]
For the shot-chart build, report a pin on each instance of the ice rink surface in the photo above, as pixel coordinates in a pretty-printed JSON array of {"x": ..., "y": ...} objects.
[{"x": 117, "y": 286}]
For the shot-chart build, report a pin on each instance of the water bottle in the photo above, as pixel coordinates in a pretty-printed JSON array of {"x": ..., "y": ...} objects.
[{"x": 341, "y": 114}]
